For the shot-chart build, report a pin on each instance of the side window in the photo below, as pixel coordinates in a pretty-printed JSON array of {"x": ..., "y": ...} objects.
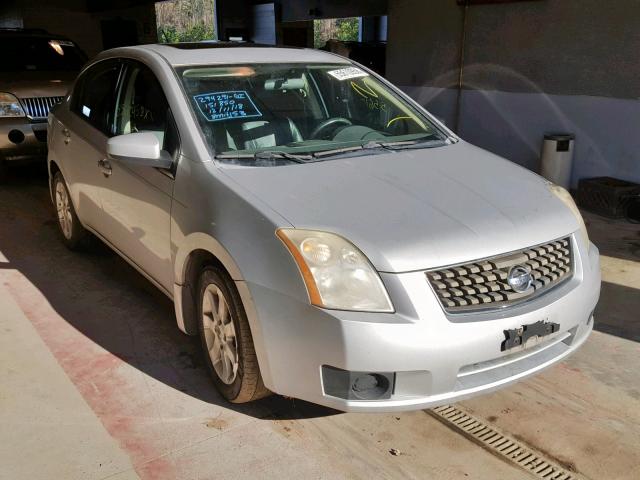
[
  {"x": 142, "y": 107},
  {"x": 94, "y": 95}
]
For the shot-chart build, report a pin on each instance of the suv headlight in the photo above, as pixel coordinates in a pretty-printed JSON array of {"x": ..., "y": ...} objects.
[
  {"x": 566, "y": 198},
  {"x": 336, "y": 272},
  {"x": 10, "y": 106}
]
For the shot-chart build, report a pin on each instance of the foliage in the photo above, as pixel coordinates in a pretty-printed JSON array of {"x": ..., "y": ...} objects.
[
  {"x": 344, "y": 29},
  {"x": 318, "y": 40},
  {"x": 196, "y": 33},
  {"x": 185, "y": 20},
  {"x": 348, "y": 29}
]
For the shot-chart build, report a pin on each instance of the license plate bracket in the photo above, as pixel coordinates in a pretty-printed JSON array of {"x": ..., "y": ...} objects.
[{"x": 519, "y": 336}]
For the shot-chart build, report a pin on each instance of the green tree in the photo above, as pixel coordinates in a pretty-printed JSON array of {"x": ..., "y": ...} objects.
[
  {"x": 168, "y": 34},
  {"x": 318, "y": 40},
  {"x": 344, "y": 29},
  {"x": 347, "y": 29},
  {"x": 184, "y": 20}
]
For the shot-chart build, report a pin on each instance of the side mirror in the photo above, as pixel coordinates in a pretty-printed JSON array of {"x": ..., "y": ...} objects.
[{"x": 142, "y": 149}]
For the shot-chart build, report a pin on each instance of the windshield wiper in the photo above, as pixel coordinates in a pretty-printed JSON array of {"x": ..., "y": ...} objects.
[
  {"x": 336, "y": 151},
  {"x": 271, "y": 154},
  {"x": 405, "y": 144},
  {"x": 399, "y": 145},
  {"x": 305, "y": 158},
  {"x": 267, "y": 155}
]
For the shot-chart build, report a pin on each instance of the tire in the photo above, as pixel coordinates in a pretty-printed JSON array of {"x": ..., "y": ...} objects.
[
  {"x": 243, "y": 383},
  {"x": 73, "y": 233}
]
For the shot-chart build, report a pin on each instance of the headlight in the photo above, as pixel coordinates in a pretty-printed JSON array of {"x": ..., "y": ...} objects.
[
  {"x": 567, "y": 199},
  {"x": 336, "y": 273},
  {"x": 10, "y": 106}
]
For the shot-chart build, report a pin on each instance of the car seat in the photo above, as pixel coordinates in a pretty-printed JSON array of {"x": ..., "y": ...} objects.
[{"x": 256, "y": 134}]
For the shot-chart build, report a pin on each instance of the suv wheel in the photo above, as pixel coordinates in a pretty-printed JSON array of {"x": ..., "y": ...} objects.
[
  {"x": 226, "y": 339},
  {"x": 73, "y": 233}
]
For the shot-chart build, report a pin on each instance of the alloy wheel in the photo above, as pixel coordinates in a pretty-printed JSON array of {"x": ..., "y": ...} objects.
[
  {"x": 63, "y": 208},
  {"x": 220, "y": 334}
]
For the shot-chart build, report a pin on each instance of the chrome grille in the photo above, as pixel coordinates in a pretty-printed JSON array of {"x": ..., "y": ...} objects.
[
  {"x": 38, "y": 107},
  {"x": 483, "y": 285}
]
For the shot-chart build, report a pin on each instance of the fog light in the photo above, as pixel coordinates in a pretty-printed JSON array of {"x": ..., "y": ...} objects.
[
  {"x": 370, "y": 386},
  {"x": 16, "y": 136},
  {"x": 357, "y": 385}
]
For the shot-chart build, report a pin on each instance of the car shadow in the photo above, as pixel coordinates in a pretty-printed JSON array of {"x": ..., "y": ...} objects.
[
  {"x": 616, "y": 238},
  {"x": 109, "y": 302},
  {"x": 617, "y": 311}
]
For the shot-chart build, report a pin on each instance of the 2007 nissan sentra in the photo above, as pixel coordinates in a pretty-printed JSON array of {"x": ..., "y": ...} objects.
[{"x": 326, "y": 237}]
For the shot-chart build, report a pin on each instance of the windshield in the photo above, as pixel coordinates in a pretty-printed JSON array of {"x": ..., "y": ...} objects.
[
  {"x": 295, "y": 110},
  {"x": 41, "y": 54}
]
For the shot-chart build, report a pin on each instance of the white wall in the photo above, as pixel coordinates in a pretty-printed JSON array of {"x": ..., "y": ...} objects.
[
  {"x": 530, "y": 68},
  {"x": 513, "y": 124}
]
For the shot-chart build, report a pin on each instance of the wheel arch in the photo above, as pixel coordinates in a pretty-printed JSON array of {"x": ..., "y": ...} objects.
[
  {"x": 53, "y": 168},
  {"x": 197, "y": 250}
]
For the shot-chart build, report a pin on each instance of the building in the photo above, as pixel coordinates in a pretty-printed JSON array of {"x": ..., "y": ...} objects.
[{"x": 501, "y": 73}]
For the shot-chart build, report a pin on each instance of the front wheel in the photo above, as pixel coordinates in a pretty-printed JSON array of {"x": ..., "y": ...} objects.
[
  {"x": 73, "y": 233},
  {"x": 226, "y": 339}
]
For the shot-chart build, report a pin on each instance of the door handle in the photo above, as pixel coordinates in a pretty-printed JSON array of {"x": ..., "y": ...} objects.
[{"x": 105, "y": 167}]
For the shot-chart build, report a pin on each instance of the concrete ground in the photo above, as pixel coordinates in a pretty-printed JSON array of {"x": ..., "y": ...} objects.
[{"x": 97, "y": 382}]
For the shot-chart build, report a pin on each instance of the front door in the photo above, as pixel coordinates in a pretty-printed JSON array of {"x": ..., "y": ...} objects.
[{"x": 137, "y": 200}]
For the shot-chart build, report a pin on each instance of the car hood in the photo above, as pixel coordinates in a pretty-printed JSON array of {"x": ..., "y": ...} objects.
[
  {"x": 416, "y": 209},
  {"x": 36, "y": 84}
]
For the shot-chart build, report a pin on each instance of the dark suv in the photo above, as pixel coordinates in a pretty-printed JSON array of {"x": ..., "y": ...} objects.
[{"x": 36, "y": 70}]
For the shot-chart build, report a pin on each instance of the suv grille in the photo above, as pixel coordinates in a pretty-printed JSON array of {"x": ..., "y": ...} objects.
[
  {"x": 38, "y": 107},
  {"x": 483, "y": 285}
]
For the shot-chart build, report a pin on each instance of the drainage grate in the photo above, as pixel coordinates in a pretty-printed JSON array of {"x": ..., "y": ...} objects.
[{"x": 500, "y": 444}]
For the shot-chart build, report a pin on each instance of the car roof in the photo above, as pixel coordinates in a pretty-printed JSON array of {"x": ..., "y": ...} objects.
[{"x": 212, "y": 52}]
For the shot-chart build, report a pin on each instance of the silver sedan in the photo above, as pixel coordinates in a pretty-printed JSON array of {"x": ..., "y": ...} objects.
[{"x": 323, "y": 234}]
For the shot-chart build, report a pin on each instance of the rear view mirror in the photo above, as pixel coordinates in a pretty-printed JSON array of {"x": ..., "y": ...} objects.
[
  {"x": 142, "y": 149},
  {"x": 285, "y": 84}
]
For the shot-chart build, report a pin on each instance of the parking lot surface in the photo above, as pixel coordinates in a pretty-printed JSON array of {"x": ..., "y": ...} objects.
[{"x": 97, "y": 382}]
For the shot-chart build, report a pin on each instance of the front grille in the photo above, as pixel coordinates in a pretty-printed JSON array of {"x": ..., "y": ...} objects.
[
  {"x": 38, "y": 107},
  {"x": 483, "y": 284}
]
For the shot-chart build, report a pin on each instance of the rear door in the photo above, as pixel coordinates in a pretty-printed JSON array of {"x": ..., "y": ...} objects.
[
  {"x": 81, "y": 138},
  {"x": 137, "y": 199}
]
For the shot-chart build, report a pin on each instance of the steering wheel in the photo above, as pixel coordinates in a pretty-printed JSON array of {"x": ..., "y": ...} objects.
[{"x": 326, "y": 124}]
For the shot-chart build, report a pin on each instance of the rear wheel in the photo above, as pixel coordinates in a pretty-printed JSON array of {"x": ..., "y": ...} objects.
[
  {"x": 226, "y": 339},
  {"x": 73, "y": 233}
]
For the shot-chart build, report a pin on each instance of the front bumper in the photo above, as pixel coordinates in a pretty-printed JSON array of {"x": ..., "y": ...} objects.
[
  {"x": 434, "y": 358},
  {"x": 21, "y": 139}
]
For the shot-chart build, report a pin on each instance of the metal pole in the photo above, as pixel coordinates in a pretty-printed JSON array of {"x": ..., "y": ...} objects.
[{"x": 215, "y": 20}]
